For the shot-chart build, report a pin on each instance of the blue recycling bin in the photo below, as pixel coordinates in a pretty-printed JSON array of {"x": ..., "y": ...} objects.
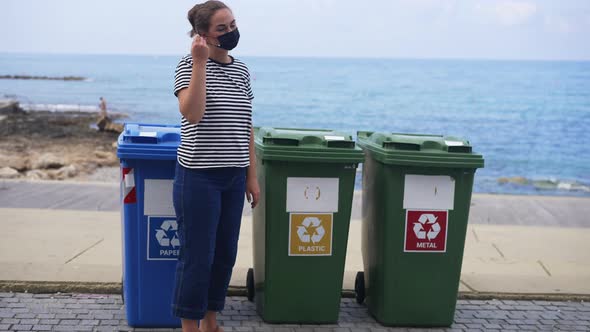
[{"x": 147, "y": 154}]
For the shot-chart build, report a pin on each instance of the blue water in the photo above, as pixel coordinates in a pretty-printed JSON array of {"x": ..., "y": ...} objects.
[{"x": 528, "y": 118}]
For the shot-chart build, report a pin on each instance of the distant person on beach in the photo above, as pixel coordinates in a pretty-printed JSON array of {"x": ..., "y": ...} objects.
[
  {"x": 103, "y": 107},
  {"x": 215, "y": 165},
  {"x": 103, "y": 121}
]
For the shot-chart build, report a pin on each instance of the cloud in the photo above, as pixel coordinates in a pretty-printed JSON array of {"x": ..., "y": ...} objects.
[
  {"x": 508, "y": 13},
  {"x": 558, "y": 23},
  {"x": 568, "y": 22}
]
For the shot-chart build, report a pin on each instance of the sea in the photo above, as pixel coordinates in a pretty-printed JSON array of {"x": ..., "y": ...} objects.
[{"x": 529, "y": 119}]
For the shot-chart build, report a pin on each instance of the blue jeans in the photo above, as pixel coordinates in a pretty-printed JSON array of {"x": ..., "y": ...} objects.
[{"x": 208, "y": 204}]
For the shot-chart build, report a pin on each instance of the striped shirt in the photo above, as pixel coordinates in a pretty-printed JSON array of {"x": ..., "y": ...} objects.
[{"x": 222, "y": 137}]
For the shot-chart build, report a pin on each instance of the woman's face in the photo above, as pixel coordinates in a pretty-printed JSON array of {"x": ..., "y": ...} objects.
[{"x": 222, "y": 22}]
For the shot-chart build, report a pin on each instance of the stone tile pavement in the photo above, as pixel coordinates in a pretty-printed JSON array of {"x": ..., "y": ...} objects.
[{"x": 89, "y": 312}]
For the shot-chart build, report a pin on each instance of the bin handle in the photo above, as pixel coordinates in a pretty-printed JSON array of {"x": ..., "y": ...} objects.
[
  {"x": 401, "y": 146},
  {"x": 280, "y": 141},
  {"x": 341, "y": 144},
  {"x": 142, "y": 139},
  {"x": 460, "y": 149}
]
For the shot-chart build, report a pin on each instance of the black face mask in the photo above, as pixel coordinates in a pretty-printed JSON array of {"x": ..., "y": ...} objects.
[{"x": 229, "y": 40}]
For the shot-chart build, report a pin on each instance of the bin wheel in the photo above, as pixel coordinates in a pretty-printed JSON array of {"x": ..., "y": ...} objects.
[
  {"x": 122, "y": 291},
  {"x": 250, "y": 284},
  {"x": 359, "y": 287}
]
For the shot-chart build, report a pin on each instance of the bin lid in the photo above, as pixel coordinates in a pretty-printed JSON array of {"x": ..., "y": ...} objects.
[
  {"x": 306, "y": 145},
  {"x": 148, "y": 141},
  {"x": 420, "y": 150}
]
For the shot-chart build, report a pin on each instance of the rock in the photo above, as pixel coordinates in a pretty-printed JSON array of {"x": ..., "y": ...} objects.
[
  {"x": 64, "y": 172},
  {"x": 8, "y": 173},
  {"x": 105, "y": 123},
  {"x": 545, "y": 184},
  {"x": 47, "y": 161},
  {"x": 105, "y": 158},
  {"x": 21, "y": 164},
  {"x": 29, "y": 77},
  {"x": 516, "y": 179},
  {"x": 114, "y": 127},
  {"x": 37, "y": 174},
  {"x": 88, "y": 167},
  {"x": 9, "y": 106},
  {"x": 102, "y": 122},
  {"x": 102, "y": 154}
]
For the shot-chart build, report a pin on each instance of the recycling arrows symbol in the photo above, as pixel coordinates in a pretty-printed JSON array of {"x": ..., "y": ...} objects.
[
  {"x": 162, "y": 234},
  {"x": 311, "y": 230},
  {"x": 426, "y": 219}
]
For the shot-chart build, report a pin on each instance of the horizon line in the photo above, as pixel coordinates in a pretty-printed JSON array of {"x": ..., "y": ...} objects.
[{"x": 310, "y": 56}]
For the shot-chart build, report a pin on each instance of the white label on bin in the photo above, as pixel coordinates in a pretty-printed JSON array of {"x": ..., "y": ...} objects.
[
  {"x": 162, "y": 238},
  {"x": 148, "y": 134},
  {"x": 310, "y": 234},
  {"x": 334, "y": 138},
  {"x": 434, "y": 192},
  {"x": 158, "y": 198},
  {"x": 129, "y": 179},
  {"x": 312, "y": 194},
  {"x": 454, "y": 143}
]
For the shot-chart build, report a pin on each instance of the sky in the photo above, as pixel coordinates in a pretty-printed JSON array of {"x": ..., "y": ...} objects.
[{"x": 466, "y": 29}]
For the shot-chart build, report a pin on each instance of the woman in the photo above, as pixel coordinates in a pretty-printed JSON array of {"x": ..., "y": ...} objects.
[{"x": 215, "y": 165}]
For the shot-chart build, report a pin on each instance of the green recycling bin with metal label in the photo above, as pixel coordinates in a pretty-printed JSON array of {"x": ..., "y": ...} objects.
[
  {"x": 300, "y": 227},
  {"x": 416, "y": 198}
]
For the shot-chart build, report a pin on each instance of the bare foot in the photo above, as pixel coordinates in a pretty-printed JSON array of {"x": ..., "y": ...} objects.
[
  {"x": 209, "y": 323},
  {"x": 189, "y": 325},
  {"x": 216, "y": 329}
]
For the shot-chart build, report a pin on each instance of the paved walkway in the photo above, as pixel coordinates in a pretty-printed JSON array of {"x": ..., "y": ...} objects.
[
  {"x": 85, "y": 312},
  {"x": 67, "y": 237},
  {"x": 68, "y": 246}
]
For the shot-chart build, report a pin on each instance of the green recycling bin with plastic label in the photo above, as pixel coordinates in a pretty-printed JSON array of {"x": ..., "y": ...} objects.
[
  {"x": 300, "y": 227},
  {"x": 416, "y": 198}
]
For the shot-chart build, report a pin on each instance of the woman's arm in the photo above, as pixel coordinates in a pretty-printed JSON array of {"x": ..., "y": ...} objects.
[
  {"x": 252, "y": 187},
  {"x": 192, "y": 100}
]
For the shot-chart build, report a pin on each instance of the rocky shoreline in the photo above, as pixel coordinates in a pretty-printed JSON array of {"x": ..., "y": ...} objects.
[
  {"x": 51, "y": 78},
  {"x": 45, "y": 145}
]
